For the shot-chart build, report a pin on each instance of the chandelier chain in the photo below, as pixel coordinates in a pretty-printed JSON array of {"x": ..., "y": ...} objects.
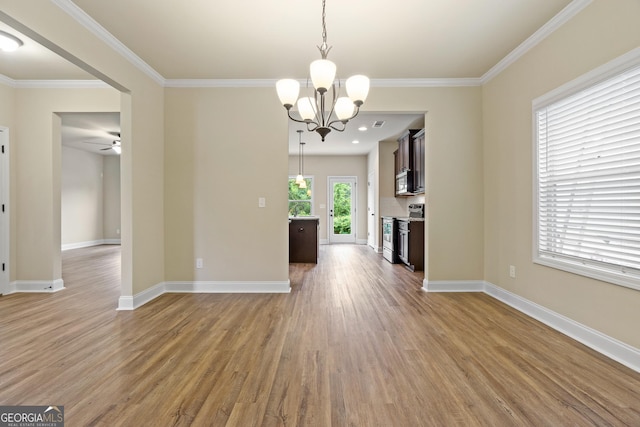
[{"x": 324, "y": 48}]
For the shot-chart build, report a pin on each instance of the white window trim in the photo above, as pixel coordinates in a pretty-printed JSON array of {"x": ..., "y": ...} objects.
[
  {"x": 313, "y": 193},
  {"x": 629, "y": 60}
]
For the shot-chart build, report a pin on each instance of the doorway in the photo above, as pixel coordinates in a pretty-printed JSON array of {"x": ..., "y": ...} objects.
[{"x": 342, "y": 209}]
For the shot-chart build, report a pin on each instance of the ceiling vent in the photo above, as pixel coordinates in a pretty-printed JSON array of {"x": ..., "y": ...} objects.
[{"x": 378, "y": 124}]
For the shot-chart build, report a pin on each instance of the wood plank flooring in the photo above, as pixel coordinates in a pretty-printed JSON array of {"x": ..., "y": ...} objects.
[{"x": 356, "y": 343}]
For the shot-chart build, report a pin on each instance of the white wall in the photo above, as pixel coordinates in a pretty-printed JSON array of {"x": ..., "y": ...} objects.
[
  {"x": 111, "y": 230},
  {"x": 90, "y": 198},
  {"x": 82, "y": 197}
]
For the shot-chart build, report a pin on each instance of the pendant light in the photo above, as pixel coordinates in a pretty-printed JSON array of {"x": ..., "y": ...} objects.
[{"x": 300, "y": 178}]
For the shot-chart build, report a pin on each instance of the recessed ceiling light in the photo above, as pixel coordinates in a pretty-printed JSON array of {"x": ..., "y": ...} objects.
[
  {"x": 362, "y": 128},
  {"x": 8, "y": 42},
  {"x": 355, "y": 141}
]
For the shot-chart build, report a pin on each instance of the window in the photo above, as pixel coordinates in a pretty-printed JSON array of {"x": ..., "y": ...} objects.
[
  {"x": 300, "y": 199},
  {"x": 588, "y": 176}
]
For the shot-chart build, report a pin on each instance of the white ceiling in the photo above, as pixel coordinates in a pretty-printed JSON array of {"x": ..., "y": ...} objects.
[{"x": 263, "y": 40}]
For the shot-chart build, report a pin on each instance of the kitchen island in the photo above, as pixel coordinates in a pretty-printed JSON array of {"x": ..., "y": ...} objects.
[{"x": 303, "y": 239}]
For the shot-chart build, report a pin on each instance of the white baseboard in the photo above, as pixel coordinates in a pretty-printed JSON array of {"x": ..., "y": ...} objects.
[
  {"x": 87, "y": 244},
  {"x": 604, "y": 344},
  {"x": 453, "y": 286},
  {"x": 213, "y": 287},
  {"x": 35, "y": 286}
]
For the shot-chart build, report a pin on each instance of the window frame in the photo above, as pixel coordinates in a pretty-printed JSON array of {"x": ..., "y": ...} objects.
[
  {"x": 631, "y": 278},
  {"x": 311, "y": 200}
]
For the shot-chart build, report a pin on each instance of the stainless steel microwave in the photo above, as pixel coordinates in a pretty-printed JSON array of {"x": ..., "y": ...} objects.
[{"x": 404, "y": 183}]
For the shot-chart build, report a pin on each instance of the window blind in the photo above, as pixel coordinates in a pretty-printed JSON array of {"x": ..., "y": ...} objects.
[{"x": 588, "y": 172}]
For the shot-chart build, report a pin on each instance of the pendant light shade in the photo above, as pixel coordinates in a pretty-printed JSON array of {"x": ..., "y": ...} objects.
[
  {"x": 344, "y": 108},
  {"x": 358, "y": 89},
  {"x": 288, "y": 91},
  {"x": 323, "y": 73},
  {"x": 307, "y": 108}
]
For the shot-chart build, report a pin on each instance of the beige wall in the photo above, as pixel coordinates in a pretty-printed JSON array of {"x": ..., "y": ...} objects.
[
  {"x": 603, "y": 31},
  {"x": 225, "y": 148},
  {"x": 454, "y": 171},
  {"x": 142, "y": 161},
  {"x": 321, "y": 167},
  {"x": 37, "y": 173}
]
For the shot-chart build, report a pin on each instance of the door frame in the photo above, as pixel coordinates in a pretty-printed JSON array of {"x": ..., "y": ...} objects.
[
  {"x": 372, "y": 237},
  {"x": 5, "y": 228},
  {"x": 333, "y": 238}
]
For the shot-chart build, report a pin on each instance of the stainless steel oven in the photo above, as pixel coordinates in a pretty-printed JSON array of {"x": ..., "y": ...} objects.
[{"x": 389, "y": 239}]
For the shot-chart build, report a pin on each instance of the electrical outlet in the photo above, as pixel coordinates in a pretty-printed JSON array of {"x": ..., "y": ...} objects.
[
  {"x": 262, "y": 202},
  {"x": 117, "y": 231},
  {"x": 199, "y": 263},
  {"x": 512, "y": 271}
]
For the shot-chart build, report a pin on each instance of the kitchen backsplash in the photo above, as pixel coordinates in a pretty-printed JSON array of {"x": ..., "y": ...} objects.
[{"x": 398, "y": 206}]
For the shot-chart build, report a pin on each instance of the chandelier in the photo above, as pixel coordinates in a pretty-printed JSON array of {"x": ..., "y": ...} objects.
[{"x": 319, "y": 114}]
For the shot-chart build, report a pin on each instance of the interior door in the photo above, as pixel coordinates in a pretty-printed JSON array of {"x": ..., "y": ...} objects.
[
  {"x": 4, "y": 210},
  {"x": 371, "y": 215},
  {"x": 342, "y": 209}
]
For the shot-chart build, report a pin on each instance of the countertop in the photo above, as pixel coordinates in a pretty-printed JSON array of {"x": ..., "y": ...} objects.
[
  {"x": 305, "y": 218},
  {"x": 404, "y": 218}
]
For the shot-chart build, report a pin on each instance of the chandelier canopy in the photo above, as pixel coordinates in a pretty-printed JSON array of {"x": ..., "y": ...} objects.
[{"x": 319, "y": 114}]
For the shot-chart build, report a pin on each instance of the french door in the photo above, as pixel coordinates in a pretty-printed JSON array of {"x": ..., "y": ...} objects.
[{"x": 342, "y": 209}]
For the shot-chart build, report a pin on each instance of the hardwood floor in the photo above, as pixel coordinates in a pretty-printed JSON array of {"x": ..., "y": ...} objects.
[{"x": 356, "y": 343}]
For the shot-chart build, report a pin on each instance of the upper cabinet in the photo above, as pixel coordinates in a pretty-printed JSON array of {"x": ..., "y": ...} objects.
[
  {"x": 410, "y": 164},
  {"x": 418, "y": 163}
]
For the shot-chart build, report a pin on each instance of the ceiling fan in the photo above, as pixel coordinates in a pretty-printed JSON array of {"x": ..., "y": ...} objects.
[{"x": 115, "y": 144}]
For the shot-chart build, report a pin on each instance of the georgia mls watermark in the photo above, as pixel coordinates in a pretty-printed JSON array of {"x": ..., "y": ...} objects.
[{"x": 31, "y": 416}]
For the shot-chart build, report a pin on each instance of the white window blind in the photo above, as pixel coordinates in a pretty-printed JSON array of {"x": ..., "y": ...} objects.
[{"x": 588, "y": 178}]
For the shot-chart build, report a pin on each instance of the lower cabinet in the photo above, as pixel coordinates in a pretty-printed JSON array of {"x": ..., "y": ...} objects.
[
  {"x": 303, "y": 240},
  {"x": 411, "y": 244}
]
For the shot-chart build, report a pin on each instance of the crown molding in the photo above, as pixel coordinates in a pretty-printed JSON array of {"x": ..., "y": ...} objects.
[
  {"x": 7, "y": 81},
  {"x": 99, "y": 31},
  {"x": 566, "y": 14},
  {"x": 61, "y": 84},
  {"x": 571, "y": 10},
  {"x": 240, "y": 83},
  {"x": 52, "y": 84}
]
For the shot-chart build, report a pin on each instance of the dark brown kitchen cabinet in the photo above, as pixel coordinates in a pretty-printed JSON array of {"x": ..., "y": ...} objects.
[
  {"x": 418, "y": 162},
  {"x": 411, "y": 244},
  {"x": 303, "y": 240},
  {"x": 405, "y": 164},
  {"x": 405, "y": 150}
]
